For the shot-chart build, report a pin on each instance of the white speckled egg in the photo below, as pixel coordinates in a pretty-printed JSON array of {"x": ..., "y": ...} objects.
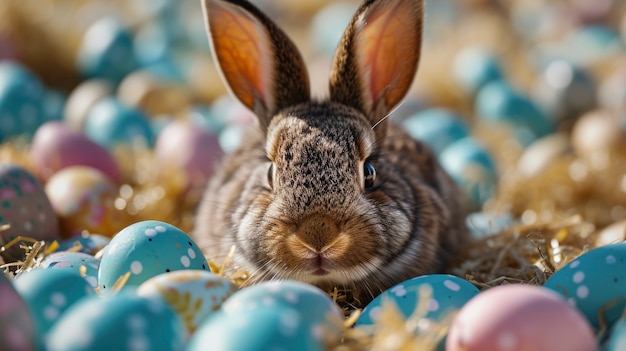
[
  {"x": 595, "y": 283},
  {"x": 17, "y": 328},
  {"x": 75, "y": 261},
  {"x": 192, "y": 294},
  {"x": 121, "y": 322},
  {"x": 146, "y": 249}
]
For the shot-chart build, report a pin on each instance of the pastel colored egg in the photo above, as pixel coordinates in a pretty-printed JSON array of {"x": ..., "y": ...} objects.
[
  {"x": 438, "y": 128},
  {"x": 153, "y": 95},
  {"x": 519, "y": 317},
  {"x": 17, "y": 328},
  {"x": 474, "y": 68},
  {"x": 146, "y": 249},
  {"x": 597, "y": 132},
  {"x": 595, "y": 284},
  {"x": 21, "y": 96},
  {"x": 78, "y": 261},
  {"x": 185, "y": 147},
  {"x": 589, "y": 44},
  {"x": 83, "y": 199},
  {"x": 449, "y": 294},
  {"x": 472, "y": 168},
  {"x": 111, "y": 123},
  {"x": 122, "y": 322},
  {"x": 276, "y": 328},
  {"x": 106, "y": 51},
  {"x": 56, "y": 146},
  {"x": 541, "y": 154},
  {"x": 617, "y": 339},
  {"x": 49, "y": 293},
  {"x": 83, "y": 98},
  {"x": 192, "y": 294},
  {"x": 86, "y": 242},
  {"x": 25, "y": 207}
]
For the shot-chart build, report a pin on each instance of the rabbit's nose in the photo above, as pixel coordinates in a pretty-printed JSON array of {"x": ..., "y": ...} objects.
[{"x": 318, "y": 233}]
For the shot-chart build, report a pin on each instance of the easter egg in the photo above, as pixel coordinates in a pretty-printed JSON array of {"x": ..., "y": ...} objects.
[
  {"x": 146, "y": 249},
  {"x": 122, "y": 322},
  {"x": 25, "y": 207},
  {"x": 17, "y": 328},
  {"x": 617, "y": 339},
  {"x": 82, "y": 99},
  {"x": 449, "y": 293},
  {"x": 152, "y": 95},
  {"x": 85, "y": 242},
  {"x": 594, "y": 283},
  {"x": 84, "y": 264},
  {"x": 519, "y": 317},
  {"x": 110, "y": 123},
  {"x": 597, "y": 132},
  {"x": 83, "y": 199},
  {"x": 53, "y": 105},
  {"x": 56, "y": 146},
  {"x": 541, "y": 154},
  {"x": 106, "y": 51},
  {"x": 21, "y": 96},
  {"x": 474, "y": 68},
  {"x": 438, "y": 128},
  {"x": 189, "y": 149},
  {"x": 49, "y": 293},
  {"x": 192, "y": 294}
]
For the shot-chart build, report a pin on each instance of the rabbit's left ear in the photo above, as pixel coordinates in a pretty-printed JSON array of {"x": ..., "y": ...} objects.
[{"x": 377, "y": 58}]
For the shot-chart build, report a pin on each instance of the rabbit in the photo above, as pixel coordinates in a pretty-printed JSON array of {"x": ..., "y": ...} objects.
[{"x": 327, "y": 191}]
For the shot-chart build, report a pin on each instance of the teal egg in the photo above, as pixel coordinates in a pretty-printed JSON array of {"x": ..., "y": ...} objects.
[
  {"x": 617, "y": 339},
  {"x": 121, "y": 322},
  {"x": 17, "y": 327},
  {"x": 88, "y": 243},
  {"x": 146, "y": 249},
  {"x": 474, "y": 68},
  {"x": 75, "y": 261},
  {"x": 437, "y": 127}
]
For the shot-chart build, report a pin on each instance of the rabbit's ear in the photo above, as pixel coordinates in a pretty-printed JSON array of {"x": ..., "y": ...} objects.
[
  {"x": 260, "y": 64},
  {"x": 377, "y": 57}
]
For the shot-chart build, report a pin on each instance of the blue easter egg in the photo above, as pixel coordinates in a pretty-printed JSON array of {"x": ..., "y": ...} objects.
[
  {"x": 121, "y": 322},
  {"x": 474, "y": 68},
  {"x": 77, "y": 261},
  {"x": 617, "y": 339},
  {"x": 152, "y": 43},
  {"x": 21, "y": 95},
  {"x": 106, "y": 51},
  {"x": 472, "y": 168},
  {"x": 87, "y": 243},
  {"x": 110, "y": 123},
  {"x": 438, "y": 128},
  {"x": 146, "y": 249}
]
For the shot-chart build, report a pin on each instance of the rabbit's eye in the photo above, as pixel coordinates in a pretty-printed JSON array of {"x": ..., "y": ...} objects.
[
  {"x": 369, "y": 175},
  {"x": 270, "y": 176}
]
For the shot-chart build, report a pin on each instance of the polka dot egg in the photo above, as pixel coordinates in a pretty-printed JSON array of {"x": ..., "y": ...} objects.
[
  {"x": 146, "y": 249},
  {"x": 595, "y": 284},
  {"x": 17, "y": 328},
  {"x": 82, "y": 263}
]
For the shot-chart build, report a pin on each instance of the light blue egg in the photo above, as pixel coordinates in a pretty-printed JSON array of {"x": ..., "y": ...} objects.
[
  {"x": 437, "y": 127},
  {"x": 276, "y": 328},
  {"x": 21, "y": 95},
  {"x": 328, "y": 25},
  {"x": 49, "y": 293},
  {"x": 88, "y": 243},
  {"x": 472, "y": 168},
  {"x": 106, "y": 51},
  {"x": 617, "y": 339},
  {"x": 152, "y": 43},
  {"x": 595, "y": 283},
  {"x": 75, "y": 261},
  {"x": 121, "y": 322},
  {"x": 474, "y": 68},
  {"x": 500, "y": 102},
  {"x": 146, "y": 249},
  {"x": 111, "y": 123}
]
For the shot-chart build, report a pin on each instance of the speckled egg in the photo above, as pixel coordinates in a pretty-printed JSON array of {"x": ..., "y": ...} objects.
[
  {"x": 121, "y": 322},
  {"x": 192, "y": 294},
  {"x": 449, "y": 293},
  {"x": 56, "y": 146},
  {"x": 83, "y": 98},
  {"x": 17, "y": 328},
  {"x": 595, "y": 283},
  {"x": 519, "y": 317},
  {"x": 49, "y": 293},
  {"x": 146, "y": 249},
  {"x": 84, "y": 264},
  {"x": 111, "y": 123},
  {"x": 86, "y": 242},
  {"x": 83, "y": 199},
  {"x": 475, "y": 67},
  {"x": 437, "y": 127},
  {"x": 25, "y": 207}
]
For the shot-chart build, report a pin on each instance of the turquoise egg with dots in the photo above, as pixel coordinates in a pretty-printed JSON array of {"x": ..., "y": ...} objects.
[
  {"x": 85, "y": 264},
  {"x": 146, "y": 249}
]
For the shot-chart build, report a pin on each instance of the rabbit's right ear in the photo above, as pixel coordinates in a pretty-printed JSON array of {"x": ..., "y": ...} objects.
[{"x": 260, "y": 64}]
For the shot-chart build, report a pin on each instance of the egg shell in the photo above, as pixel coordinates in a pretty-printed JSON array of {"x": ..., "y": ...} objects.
[
  {"x": 56, "y": 146},
  {"x": 25, "y": 207},
  {"x": 437, "y": 127},
  {"x": 75, "y": 261},
  {"x": 594, "y": 283},
  {"x": 83, "y": 199},
  {"x": 321, "y": 315},
  {"x": 121, "y": 322},
  {"x": 270, "y": 328},
  {"x": 192, "y": 294},
  {"x": 476, "y": 67},
  {"x": 17, "y": 328},
  {"x": 192, "y": 150},
  {"x": 146, "y": 249},
  {"x": 111, "y": 123},
  {"x": 519, "y": 317},
  {"x": 88, "y": 243},
  {"x": 449, "y": 293},
  {"x": 83, "y": 98},
  {"x": 49, "y": 293}
]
